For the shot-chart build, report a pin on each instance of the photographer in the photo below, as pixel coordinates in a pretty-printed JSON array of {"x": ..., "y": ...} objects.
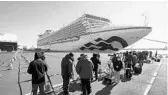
[{"x": 37, "y": 69}]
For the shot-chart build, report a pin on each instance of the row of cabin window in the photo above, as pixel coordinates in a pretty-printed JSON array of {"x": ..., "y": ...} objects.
[
  {"x": 75, "y": 31},
  {"x": 60, "y": 31},
  {"x": 69, "y": 28},
  {"x": 66, "y": 40},
  {"x": 66, "y": 33},
  {"x": 98, "y": 18},
  {"x": 58, "y": 41},
  {"x": 94, "y": 25},
  {"x": 65, "y": 30},
  {"x": 48, "y": 40}
]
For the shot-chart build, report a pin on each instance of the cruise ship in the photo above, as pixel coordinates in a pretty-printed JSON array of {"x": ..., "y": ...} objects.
[
  {"x": 90, "y": 33},
  {"x": 8, "y": 42}
]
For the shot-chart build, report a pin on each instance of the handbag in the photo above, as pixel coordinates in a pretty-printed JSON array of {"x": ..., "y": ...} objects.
[
  {"x": 47, "y": 87},
  {"x": 99, "y": 69}
]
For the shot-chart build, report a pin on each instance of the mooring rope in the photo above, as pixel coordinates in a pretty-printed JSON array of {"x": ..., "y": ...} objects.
[{"x": 21, "y": 93}]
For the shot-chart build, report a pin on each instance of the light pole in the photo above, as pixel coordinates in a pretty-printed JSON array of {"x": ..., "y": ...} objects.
[
  {"x": 131, "y": 44},
  {"x": 145, "y": 21}
]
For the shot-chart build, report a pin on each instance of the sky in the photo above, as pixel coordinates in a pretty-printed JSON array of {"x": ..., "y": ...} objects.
[{"x": 28, "y": 19}]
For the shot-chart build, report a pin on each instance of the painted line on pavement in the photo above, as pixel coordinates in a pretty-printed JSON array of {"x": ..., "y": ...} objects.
[
  {"x": 155, "y": 74},
  {"x": 147, "y": 89},
  {"x": 152, "y": 80}
]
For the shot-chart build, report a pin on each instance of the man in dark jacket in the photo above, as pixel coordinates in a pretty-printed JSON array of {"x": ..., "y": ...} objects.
[
  {"x": 84, "y": 70},
  {"x": 134, "y": 60},
  {"x": 128, "y": 60},
  {"x": 37, "y": 68},
  {"x": 96, "y": 62},
  {"x": 67, "y": 71}
]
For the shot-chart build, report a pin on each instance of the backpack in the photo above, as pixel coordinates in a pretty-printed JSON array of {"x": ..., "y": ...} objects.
[
  {"x": 128, "y": 73},
  {"x": 117, "y": 65}
]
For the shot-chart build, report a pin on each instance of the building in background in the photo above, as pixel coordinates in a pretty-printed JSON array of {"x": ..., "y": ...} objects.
[{"x": 8, "y": 42}]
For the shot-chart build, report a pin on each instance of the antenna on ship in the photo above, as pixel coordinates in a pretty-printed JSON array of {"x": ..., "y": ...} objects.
[{"x": 145, "y": 21}]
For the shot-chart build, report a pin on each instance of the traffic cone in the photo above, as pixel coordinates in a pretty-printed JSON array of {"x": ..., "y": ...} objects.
[
  {"x": 0, "y": 75},
  {"x": 10, "y": 66},
  {"x": 12, "y": 60}
]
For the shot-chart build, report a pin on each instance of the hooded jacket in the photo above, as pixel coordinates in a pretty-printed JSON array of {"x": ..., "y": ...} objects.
[
  {"x": 37, "y": 68},
  {"x": 95, "y": 62},
  {"x": 84, "y": 68},
  {"x": 66, "y": 67}
]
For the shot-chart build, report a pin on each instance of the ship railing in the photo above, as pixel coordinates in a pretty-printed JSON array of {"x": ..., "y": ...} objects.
[{"x": 66, "y": 40}]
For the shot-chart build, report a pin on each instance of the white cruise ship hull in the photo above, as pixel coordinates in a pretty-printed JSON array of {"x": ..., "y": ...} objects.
[{"x": 102, "y": 40}]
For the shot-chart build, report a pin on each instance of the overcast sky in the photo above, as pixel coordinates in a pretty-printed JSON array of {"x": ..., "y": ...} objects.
[{"x": 28, "y": 19}]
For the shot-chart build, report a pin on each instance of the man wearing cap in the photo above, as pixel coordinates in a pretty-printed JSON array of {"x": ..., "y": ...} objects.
[
  {"x": 84, "y": 69},
  {"x": 67, "y": 71},
  {"x": 37, "y": 69}
]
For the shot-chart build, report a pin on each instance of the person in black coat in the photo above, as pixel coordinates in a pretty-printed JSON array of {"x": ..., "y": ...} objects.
[
  {"x": 96, "y": 62},
  {"x": 67, "y": 71},
  {"x": 117, "y": 65},
  {"x": 37, "y": 69}
]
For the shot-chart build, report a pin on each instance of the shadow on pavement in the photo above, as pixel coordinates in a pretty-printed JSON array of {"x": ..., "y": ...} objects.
[
  {"x": 106, "y": 90},
  {"x": 136, "y": 74},
  {"x": 75, "y": 86},
  {"x": 6, "y": 69},
  {"x": 123, "y": 79}
]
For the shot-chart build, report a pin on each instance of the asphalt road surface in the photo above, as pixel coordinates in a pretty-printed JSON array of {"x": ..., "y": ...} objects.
[{"x": 152, "y": 81}]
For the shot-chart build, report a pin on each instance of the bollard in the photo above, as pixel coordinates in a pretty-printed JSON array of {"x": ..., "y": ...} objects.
[
  {"x": 12, "y": 60},
  {"x": 10, "y": 66},
  {"x": 15, "y": 58},
  {"x": 1, "y": 75}
]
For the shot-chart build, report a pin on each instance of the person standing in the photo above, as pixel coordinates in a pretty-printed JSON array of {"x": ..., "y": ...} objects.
[
  {"x": 67, "y": 71},
  {"x": 96, "y": 62},
  {"x": 37, "y": 69},
  {"x": 0, "y": 73},
  {"x": 84, "y": 70},
  {"x": 117, "y": 65},
  {"x": 134, "y": 61},
  {"x": 156, "y": 54}
]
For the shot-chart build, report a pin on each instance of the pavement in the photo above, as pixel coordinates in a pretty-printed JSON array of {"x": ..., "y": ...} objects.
[{"x": 152, "y": 81}]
